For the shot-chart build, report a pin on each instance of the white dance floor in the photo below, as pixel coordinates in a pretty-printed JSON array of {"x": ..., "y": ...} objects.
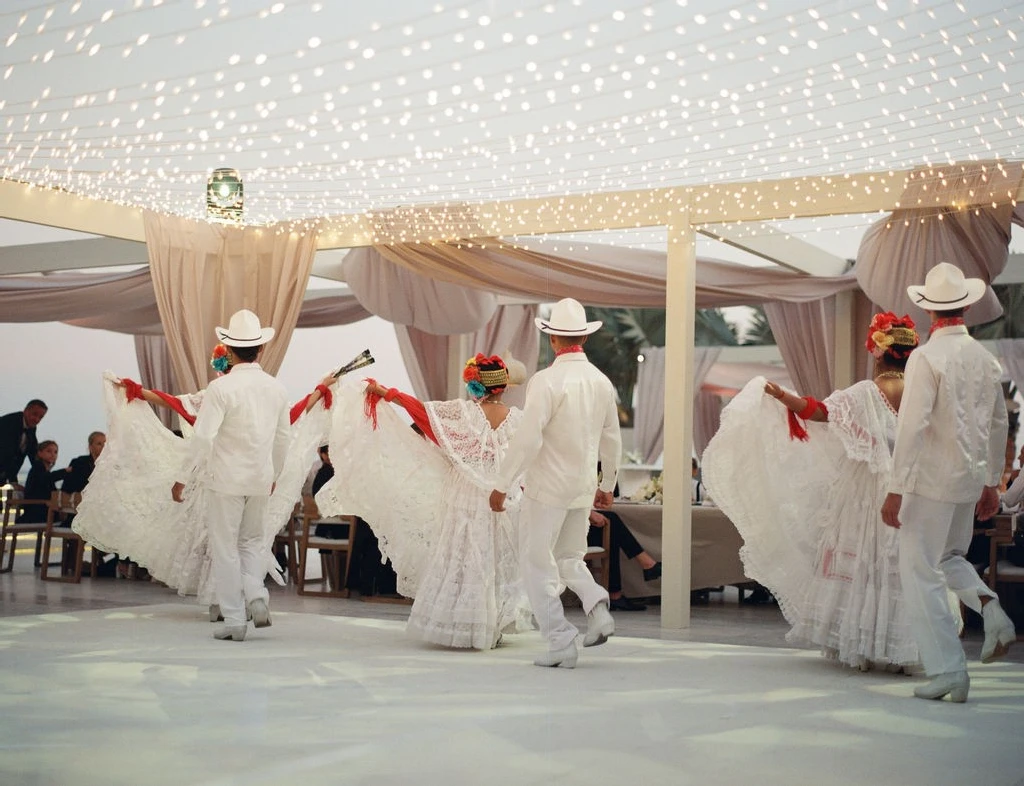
[{"x": 146, "y": 696}]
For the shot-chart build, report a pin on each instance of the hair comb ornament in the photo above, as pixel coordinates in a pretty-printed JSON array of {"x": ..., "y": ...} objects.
[{"x": 361, "y": 360}]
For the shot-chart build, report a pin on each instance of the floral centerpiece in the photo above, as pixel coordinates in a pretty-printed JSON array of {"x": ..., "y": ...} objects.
[{"x": 649, "y": 492}]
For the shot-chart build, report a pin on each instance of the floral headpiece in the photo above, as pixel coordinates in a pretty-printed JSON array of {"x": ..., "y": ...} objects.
[
  {"x": 219, "y": 361},
  {"x": 886, "y": 330},
  {"x": 484, "y": 375}
]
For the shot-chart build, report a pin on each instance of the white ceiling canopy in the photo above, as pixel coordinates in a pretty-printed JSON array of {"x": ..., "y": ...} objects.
[{"x": 341, "y": 107}]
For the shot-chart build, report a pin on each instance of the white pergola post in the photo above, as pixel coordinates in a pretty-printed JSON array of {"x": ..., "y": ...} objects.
[{"x": 680, "y": 312}]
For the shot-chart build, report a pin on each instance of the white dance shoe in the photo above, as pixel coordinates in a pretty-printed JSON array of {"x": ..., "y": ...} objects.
[
  {"x": 259, "y": 613},
  {"x": 230, "y": 633},
  {"x": 564, "y": 658},
  {"x": 216, "y": 616},
  {"x": 999, "y": 632},
  {"x": 955, "y": 683},
  {"x": 600, "y": 625}
]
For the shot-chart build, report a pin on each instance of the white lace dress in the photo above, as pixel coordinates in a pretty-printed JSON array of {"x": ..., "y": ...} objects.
[
  {"x": 429, "y": 509},
  {"x": 127, "y": 508},
  {"x": 809, "y": 514}
]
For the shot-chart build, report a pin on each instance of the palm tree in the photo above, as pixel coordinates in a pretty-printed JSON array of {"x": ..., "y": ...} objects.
[
  {"x": 1011, "y": 323},
  {"x": 614, "y": 348}
]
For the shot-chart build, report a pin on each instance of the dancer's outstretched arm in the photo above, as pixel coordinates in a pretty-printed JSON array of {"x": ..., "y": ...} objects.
[
  {"x": 411, "y": 404},
  {"x": 321, "y": 391},
  {"x": 804, "y": 406}
]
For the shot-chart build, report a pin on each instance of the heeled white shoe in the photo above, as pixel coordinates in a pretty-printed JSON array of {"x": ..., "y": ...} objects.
[
  {"x": 600, "y": 625},
  {"x": 954, "y": 683},
  {"x": 999, "y": 632},
  {"x": 564, "y": 658},
  {"x": 230, "y": 633}
]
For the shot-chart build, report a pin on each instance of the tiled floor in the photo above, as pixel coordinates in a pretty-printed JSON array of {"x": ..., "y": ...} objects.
[{"x": 113, "y": 682}]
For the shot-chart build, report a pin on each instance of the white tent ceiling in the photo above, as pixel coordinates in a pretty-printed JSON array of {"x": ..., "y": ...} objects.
[{"x": 331, "y": 108}]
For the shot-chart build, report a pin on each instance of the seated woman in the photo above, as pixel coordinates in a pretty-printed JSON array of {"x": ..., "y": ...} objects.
[{"x": 621, "y": 541}]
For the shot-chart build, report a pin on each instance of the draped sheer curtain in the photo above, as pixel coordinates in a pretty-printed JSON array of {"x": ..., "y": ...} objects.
[
  {"x": 156, "y": 371},
  {"x": 1011, "y": 352},
  {"x": 203, "y": 273},
  {"x": 805, "y": 334},
  {"x": 649, "y": 422},
  {"x": 426, "y": 355},
  {"x": 899, "y": 250}
]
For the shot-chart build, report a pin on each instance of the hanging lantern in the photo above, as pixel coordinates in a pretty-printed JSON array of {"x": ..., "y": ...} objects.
[{"x": 224, "y": 196}]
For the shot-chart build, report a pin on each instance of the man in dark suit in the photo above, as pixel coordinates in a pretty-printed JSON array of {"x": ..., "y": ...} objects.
[
  {"x": 18, "y": 439},
  {"x": 82, "y": 466}
]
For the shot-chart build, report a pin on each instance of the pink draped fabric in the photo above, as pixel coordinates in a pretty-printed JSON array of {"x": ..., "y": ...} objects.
[
  {"x": 649, "y": 423},
  {"x": 595, "y": 275},
  {"x": 426, "y": 361},
  {"x": 426, "y": 354},
  {"x": 156, "y": 372},
  {"x": 805, "y": 334},
  {"x": 403, "y": 296},
  {"x": 707, "y": 415},
  {"x": 899, "y": 250},
  {"x": 204, "y": 272},
  {"x": 70, "y": 296}
]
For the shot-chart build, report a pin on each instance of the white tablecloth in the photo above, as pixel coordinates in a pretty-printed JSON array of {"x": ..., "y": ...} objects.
[{"x": 716, "y": 545}]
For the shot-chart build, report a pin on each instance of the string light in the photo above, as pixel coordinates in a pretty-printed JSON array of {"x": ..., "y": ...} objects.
[{"x": 454, "y": 105}]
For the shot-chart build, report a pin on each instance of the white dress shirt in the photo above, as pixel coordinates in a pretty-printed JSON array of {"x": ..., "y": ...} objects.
[
  {"x": 951, "y": 429},
  {"x": 242, "y": 432},
  {"x": 569, "y": 422}
]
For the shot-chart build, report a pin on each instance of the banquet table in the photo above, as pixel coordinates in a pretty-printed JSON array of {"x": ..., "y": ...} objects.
[{"x": 716, "y": 545}]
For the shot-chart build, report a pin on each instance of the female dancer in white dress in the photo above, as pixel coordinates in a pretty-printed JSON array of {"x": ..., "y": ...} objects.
[
  {"x": 126, "y": 508},
  {"x": 808, "y": 510},
  {"x": 426, "y": 500}
]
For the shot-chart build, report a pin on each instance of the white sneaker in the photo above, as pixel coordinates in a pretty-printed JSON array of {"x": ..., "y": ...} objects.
[
  {"x": 564, "y": 658},
  {"x": 999, "y": 632},
  {"x": 230, "y": 633},
  {"x": 955, "y": 683},
  {"x": 259, "y": 613},
  {"x": 600, "y": 625}
]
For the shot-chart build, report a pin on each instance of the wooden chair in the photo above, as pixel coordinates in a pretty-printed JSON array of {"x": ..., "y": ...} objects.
[
  {"x": 602, "y": 555},
  {"x": 1002, "y": 571},
  {"x": 290, "y": 535},
  {"x": 12, "y": 507},
  {"x": 73, "y": 545},
  {"x": 334, "y": 564}
]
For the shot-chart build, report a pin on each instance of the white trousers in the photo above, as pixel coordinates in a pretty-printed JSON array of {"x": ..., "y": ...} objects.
[
  {"x": 934, "y": 537},
  {"x": 237, "y": 551},
  {"x": 552, "y": 542}
]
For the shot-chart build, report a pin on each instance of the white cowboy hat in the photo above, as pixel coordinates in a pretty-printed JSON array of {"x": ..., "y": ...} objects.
[
  {"x": 244, "y": 331},
  {"x": 567, "y": 319},
  {"x": 945, "y": 289}
]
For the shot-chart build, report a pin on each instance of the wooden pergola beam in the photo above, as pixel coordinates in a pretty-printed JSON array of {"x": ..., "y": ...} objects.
[{"x": 723, "y": 203}]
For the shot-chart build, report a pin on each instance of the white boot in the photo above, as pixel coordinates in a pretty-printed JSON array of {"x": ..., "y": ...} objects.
[
  {"x": 999, "y": 632},
  {"x": 564, "y": 658},
  {"x": 955, "y": 683},
  {"x": 259, "y": 613},
  {"x": 600, "y": 625}
]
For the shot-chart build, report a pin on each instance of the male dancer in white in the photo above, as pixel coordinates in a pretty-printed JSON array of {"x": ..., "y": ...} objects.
[
  {"x": 947, "y": 464},
  {"x": 241, "y": 433},
  {"x": 569, "y": 422}
]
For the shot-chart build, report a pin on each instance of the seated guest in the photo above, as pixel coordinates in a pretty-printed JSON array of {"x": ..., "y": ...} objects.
[
  {"x": 696, "y": 487},
  {"x": 18, "y": 439},
  {"x": 41, "y": 482},
  {"x": 620, "y": 540},
  {"x": 81, "y": 467}
]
